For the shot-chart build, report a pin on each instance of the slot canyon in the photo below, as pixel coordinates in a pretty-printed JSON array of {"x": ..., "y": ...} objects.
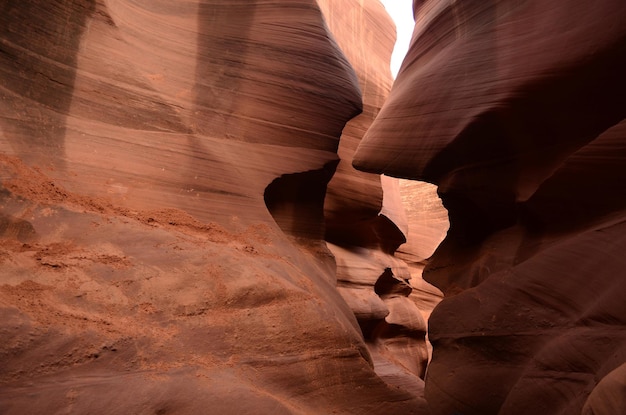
[{"x": 232, "y": 207}]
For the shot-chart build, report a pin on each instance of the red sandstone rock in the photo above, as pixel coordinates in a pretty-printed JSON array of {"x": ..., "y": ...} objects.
[
  {"x": 609, "y": 396},
  {"x": 366, "y": 222},
  {"x": 164, "y": 167},
  {"x": 515, "y": 110}
]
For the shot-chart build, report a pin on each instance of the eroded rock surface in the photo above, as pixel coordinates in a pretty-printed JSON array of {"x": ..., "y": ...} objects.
[
  {"x": 366, "y": 222},
  {"x": 516, "y": 111},
  {"x": 163, "y": 168}
]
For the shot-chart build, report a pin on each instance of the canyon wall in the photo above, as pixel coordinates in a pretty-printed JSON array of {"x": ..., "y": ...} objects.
[
  {"x": 516, "y": 111},
  {"x": 367, "y": 220},
  {"x": 163, "y": 210},
  {"x": 182, "y": 226}
]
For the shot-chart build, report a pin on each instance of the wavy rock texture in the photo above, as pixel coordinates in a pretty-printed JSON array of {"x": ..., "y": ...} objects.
[
  {"x": 164, "y": 167},
  {"x": 516, "y": 111},
  {"x": 366, "y": 219}
]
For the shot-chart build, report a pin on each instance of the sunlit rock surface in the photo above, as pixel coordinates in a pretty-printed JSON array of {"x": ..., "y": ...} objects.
[
  {"x": 163, "y": 168},
  {"x": 516, "y": 111}
]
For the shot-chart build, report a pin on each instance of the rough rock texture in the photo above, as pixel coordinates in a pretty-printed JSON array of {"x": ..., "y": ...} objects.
[
  {"x": 163, "y": 168},
  {"x": 366, "y": 220},
  {"x": 427, "y": 226},
  {"x": 516, "y": 111}
]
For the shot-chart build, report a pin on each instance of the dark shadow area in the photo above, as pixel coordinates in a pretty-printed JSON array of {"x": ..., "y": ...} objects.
[
  {"x": 296, "y": 201},
  {"x": 388, "y": 285},
  {"x": 38, "y": 57},
  {"x": 508, "y": 152},
  {"x": 375, "y": 232},
  {"x": 528, "y": 148},
  {"x": 221, "y": 60}
]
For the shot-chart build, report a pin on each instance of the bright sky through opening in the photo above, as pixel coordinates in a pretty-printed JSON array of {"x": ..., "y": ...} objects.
[{"x": 401, "y": 11}]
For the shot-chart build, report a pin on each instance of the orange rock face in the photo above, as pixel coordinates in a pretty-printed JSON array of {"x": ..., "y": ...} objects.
[
  {"x": 164, "y": 168},
  {"x": 516, "y": 111}
]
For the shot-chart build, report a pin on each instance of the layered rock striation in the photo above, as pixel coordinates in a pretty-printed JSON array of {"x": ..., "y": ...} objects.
[
  {"x": 516, "y": 110},
  {"x": 162, "y": 209},
  {"x": 367, "y": 220}
]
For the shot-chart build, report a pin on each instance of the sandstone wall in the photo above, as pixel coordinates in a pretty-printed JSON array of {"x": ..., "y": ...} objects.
[
  {"x": 516, "y": 111},
  {"x": 164, "y": 168}
]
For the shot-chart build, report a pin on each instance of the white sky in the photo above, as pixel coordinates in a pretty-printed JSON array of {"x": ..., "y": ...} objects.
[{"x": 401, "y": 11}]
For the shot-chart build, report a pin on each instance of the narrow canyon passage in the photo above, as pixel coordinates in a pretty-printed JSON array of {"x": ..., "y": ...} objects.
[{"x": 229, "y": 207}]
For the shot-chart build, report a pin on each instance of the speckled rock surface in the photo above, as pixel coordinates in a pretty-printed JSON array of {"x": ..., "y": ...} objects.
[{"x": 163, "y": 168}]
